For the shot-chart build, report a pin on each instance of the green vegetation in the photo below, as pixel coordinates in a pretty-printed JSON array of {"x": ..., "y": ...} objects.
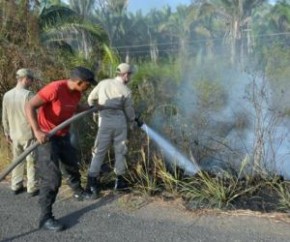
[{"x": 212, "y": 79}]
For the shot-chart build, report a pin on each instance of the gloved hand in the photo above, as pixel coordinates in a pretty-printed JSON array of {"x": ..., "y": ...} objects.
[{"x": 139, "y": 122}]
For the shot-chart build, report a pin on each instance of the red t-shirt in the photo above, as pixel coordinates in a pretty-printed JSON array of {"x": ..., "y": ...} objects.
[{"x": 60, "y": 104}]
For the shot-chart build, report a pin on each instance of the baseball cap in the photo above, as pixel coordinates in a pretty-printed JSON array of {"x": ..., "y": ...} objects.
[
  {"x": 24, "y": 72},
  {"x": 83, "y": 74},
  {"x": 124, "y": 68}
]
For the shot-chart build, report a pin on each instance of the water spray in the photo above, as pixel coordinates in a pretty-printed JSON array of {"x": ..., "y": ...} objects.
[{"x": 173, "y": 155}]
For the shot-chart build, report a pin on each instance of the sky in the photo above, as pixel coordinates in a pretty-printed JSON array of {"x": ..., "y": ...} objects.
[{"x": 146, "y": 5}]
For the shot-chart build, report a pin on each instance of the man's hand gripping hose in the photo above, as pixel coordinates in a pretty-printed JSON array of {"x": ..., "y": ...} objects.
[{"x": 32, "y": 147}]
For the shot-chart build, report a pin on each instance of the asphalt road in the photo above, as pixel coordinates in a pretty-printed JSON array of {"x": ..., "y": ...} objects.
[{"x": 119, "y": 217}]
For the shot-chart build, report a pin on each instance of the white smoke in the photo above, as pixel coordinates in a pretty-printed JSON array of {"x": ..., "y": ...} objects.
[{"x": 229, "y": 115}]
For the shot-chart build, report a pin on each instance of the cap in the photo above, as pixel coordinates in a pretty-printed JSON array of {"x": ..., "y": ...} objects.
[
  {"x": 124, "y": 68},
  {"x": 24, "y": 72},
  {"x": 83, "y": 74}
]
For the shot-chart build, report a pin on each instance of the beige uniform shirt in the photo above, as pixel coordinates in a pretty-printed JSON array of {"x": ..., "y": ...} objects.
[
  {"x": 117, "y": 99},
  {"x": 14, "y": 119}
]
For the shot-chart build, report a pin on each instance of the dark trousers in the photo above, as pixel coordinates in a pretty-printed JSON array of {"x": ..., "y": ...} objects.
[{"x": 56, "y": 157}]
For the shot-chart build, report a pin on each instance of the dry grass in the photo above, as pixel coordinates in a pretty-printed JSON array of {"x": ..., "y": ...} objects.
[
  {"x": 152, "y": 181},
  {"x": 5, "y": 154}
]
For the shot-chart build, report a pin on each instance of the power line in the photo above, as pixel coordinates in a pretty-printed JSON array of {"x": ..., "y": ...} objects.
[
  {"x": 148, "y": 51},
  {"x": 194, "y": 41}
]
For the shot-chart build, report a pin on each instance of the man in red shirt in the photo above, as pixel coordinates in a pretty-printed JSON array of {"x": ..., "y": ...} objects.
[{"x": 53, "y": 104}]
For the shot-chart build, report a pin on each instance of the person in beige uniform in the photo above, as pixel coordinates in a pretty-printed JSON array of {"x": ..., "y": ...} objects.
[
  {"x": 116, "y": 113},
  {"x": 18, "y": 132}
]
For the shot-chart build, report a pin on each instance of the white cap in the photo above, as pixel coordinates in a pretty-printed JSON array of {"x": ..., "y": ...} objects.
[
  {"x": 24, "y": 72},
  {"x": 124, "y": 68}
]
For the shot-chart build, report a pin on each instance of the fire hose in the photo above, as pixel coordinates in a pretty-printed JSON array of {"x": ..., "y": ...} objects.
[{"x": 32, "y": 147}]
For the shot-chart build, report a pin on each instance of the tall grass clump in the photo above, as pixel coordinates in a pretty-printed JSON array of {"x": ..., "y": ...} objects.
[
  {"x": 169, "y": 178},
  {"x": 207, "y": 190},
  {"x": 142, "y": 176},
  {"x": 282, "y": 190}
]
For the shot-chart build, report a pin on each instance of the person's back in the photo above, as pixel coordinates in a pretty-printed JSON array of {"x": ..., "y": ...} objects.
[
  {"x": 117, "y": 111},
  {"x": 13, "y": 104},
  {"x": 18, "y": 131},
  {"x": 114, "y": 96}
]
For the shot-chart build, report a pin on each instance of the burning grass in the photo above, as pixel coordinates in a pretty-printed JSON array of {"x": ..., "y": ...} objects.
[
  {"x": 151, "y": 177},
  {"x": 204, "y": 190}
]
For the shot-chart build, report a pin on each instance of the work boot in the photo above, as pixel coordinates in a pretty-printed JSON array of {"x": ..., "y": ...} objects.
[
  {"x": 52, "y": 225},
  {"x": 19, "y": 190},
  {"x": 121, "y": 184},
  {"x": 34, "y": 193},
  {"x": 80, "y": 194},
  {"x": 93, "y": 187}
]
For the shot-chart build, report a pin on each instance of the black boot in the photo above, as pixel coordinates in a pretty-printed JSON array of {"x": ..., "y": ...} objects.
[
  {"x": 93, "y": 187},
  {"x": 51, "y": 224},
  {"x": 79, "y": 193},
  {"x": 121, "y": 184}
]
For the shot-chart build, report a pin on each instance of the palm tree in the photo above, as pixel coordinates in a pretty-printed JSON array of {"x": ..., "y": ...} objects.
[
  {"x": 155, "y": 31},
  {"x": 85, "y": 8},
  {"x": 177, "y": 28},
  {"x": 48, "y": 3},
  {"x": 128, "y": 32},
  {"x": 279, "y": 18},
  {"x": 111, "y": 15},
  {"x": 202, "y": 22},
  {"x": 62, "y": 27},
  {"x": 134, "y": 35},
  {"x": 236, "y": 16},
  {"x": 272, "y": 30}
]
